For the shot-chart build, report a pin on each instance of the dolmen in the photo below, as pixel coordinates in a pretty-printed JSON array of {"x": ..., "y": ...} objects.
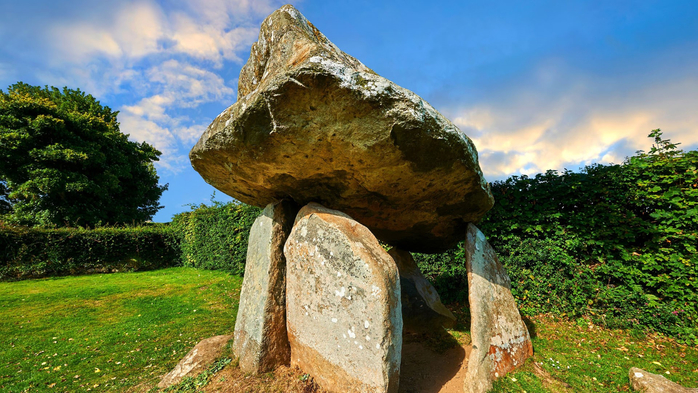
[{"x": 347, "y": 165}]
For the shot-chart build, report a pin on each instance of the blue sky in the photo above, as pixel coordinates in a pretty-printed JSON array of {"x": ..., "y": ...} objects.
[{"x": 537, "y": 85}]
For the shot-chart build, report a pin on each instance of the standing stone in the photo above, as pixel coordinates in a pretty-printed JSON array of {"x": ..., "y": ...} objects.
[
  {"x": 343, "y": 304},
  {"x": 314, "y": 124},
  {"x": 261, "y": 342},
  {"x": 422, "y": 310},
  {"x": 500, "y": 338}
]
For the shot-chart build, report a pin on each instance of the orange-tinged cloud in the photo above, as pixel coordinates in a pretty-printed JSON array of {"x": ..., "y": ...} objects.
[{"x": 532, "y": 132}]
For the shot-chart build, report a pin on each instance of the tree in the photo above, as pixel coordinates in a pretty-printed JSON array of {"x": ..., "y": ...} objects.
[{"x": 63, "y": 161}]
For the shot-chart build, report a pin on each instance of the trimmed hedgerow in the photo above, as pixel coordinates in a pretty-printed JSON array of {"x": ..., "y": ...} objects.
[
  {"x": 208, "y": 237},
  {"x": 40, "y": 252},
  {"x": 615, "y": 243},
  {"x": 215, "y": 237}
]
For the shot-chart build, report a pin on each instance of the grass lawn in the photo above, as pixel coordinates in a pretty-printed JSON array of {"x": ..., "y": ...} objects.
[
  {"x": 121, "y": 332},
  {"x": 578, "y": 357},
  {"x": 108, "y": 332}
]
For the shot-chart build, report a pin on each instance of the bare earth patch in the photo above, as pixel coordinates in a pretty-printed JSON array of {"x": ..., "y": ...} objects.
[
  {"x": 283, "y": 379},
  {"x": 426, "y": 370},
  {"x": 429, "y": 365}
]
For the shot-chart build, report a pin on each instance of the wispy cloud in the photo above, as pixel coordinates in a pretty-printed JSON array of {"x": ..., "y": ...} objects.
[
  {"x": 173, "y": 85},
  {"x": 561, "y": 119},
  {"x": 210, "y": 30},
  {"x": 168, "y": 61},
  {"x": 132, "y": 32}
]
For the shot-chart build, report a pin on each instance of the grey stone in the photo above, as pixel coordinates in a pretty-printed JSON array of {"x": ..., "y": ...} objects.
[
  {"x": 197, "y": 360},
  {"x": 499, "y": 336},
  {"x": 261, "y": 343},
  {"x": 343, "y": 304},
  {"x": 642, "y": 381},
  {"x": 422, "y": 310},
  {"x": 316, "y": 125}
]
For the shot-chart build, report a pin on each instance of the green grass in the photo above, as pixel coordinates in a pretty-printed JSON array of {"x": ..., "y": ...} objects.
[
  {"x": 120, "y": 331},
  {"x": 579, "y": 357},
  {"x": 108, "y": 332}
]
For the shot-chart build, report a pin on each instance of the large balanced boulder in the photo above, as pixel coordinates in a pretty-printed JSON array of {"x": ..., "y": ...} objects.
[
  {"x": 422, "y": 310},
  {"x": 500, "y": 339},
  {"x": 343, "y": 304},
  {"x": 314, "y": 124},
  {"x": 261, "y": 343}
]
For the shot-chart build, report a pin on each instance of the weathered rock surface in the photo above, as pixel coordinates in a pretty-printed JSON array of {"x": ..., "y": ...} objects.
[
  {"x": 314, "y": 124},
  {"x": 197, "y": 360},
  {"x": 422, "y": 310},
  {"x": 261, "y": 343},
  {"x": 500, "y": 339},
  {"x": 343, "y": 304},
  {"x": 642, "y": 381}
]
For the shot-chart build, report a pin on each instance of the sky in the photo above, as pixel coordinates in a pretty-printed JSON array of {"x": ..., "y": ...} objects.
[{"x": 536, "y": 85}]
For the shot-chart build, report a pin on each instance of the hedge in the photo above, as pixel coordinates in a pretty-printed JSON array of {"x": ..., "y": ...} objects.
[
  {"x": 39, "y": 252},
  {"x": 215, "y": 237},
  {"x": 614, "y": 243},
  {"x": 208, "y": 237}
]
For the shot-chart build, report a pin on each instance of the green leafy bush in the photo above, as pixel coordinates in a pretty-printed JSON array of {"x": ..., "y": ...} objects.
[
  {"x": 215, "y": 237},
  {"x": 616, "y": 243},
  {"x": 447, "y": 272},
  {"x": 39, "y": 252}
]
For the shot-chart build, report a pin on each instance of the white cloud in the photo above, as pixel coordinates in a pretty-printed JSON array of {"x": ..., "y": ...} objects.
[
  {"x": 533, "y": 129},
  {"x": 208, "y": 42},
  {"x": 133, "y": 32},
  {"x": 156, "y": 119},
  {"x": 165, "y": 59},
  {"x": 167, "y": 139},
  {"x": 187, "y": 85},
  {"x": 212, "y": 30}
]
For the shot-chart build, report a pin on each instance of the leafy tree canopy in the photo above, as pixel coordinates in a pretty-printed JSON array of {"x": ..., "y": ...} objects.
[{"x": 63, "y": 161}]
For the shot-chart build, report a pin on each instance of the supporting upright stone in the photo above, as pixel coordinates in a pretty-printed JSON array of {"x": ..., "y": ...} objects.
[
  {"x": 343, "y": 304},
  {"x": 261, "y": 343},
  {"x": 422, "y": 310},
  {"x": 500, "y": 338}
]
